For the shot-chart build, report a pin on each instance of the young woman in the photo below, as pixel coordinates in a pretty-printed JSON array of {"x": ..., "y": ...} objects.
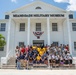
[
  {"x": 70, "y": 59},
  {"x": 57, "y": 59},
  {"x": 61, "y": 61},
  {"x": 66, "y": 59},
  {"x": 17, "y": 52}
]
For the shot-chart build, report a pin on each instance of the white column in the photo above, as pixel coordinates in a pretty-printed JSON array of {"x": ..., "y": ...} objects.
[
  {"x": 48, "y": 31},
  {"x": 69, "y": 34},
  {"x": 28, "y": 32},
  {"x": 8, "y": 35}
]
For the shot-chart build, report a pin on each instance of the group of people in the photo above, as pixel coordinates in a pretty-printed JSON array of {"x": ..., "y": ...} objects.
[
  {"x": 42, "y": 55},
  {"x": 60, "y": 55}
]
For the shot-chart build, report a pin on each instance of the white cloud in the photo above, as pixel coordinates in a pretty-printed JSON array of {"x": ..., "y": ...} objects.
[
  {"x": 15, "y": 1},
  {"x": 71, "y": 6},
  {"x": 59, "y": 1}
]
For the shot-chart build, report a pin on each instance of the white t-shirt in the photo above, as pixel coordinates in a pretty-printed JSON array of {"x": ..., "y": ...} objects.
[
  {"x": 55, "y": 50},
  {"x": 61, "y": 58},
  {"x": 59, "y": 49},
  {"x": 49, "y": 57},
  {"x": 56, "y": 57},
  {"x": 65, "y": 49},
  {"x": 16, "y": 51},
  {"x": 66, "y": 58},
  {"x": 53, "y": 56}
]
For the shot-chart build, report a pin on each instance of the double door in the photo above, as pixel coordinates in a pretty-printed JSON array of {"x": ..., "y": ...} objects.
[{"x": 38, "y": 42}]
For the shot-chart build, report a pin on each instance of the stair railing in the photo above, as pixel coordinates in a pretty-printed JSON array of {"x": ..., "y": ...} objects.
[{"x": 5, "y": 59}]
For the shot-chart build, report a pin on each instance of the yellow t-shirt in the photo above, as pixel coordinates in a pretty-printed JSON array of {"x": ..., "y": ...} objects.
[
  {"x": 38, "y": 49},
  {"x": 38, "y": 57},
  {"x": 44, "y": 50},
  {"x": 41, "y": 53}
]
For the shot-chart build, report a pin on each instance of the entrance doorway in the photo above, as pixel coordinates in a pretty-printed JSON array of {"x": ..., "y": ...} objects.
[{"x": 38, "y": 42}]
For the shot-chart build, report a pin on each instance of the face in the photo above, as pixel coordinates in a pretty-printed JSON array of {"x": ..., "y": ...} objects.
[{"x": 17, "y": 55}]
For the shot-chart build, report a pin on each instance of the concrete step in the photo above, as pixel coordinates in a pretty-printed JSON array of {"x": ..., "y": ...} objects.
[
  {"x": 11, "y": 61},
  {"x": 8, "y": 67},
  {"x": 42, "y": 66}
]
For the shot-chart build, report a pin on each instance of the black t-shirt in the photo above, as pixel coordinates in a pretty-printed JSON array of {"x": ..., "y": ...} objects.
[{"x": 22, "y": 56}]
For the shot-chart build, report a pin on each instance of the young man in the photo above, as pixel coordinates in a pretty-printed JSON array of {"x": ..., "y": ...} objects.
[
  {"x": 38, "y": 58},
  {"x": 66, "y": 59},
  {"x": 18, "y": 62},
  {"x": 61, "y": 61},
  {"x": 34, "y": 58},
  {"x": 22, "y": 59}
]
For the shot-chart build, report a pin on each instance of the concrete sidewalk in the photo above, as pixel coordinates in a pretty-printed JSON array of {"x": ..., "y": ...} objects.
[{"x": 37, "y": 72}]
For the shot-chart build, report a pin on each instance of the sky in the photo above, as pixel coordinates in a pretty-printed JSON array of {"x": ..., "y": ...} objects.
[{"x": 9, "y": 5}]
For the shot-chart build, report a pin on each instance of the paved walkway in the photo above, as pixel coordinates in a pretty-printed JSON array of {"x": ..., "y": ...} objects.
[{"x": 38, "y": 72}]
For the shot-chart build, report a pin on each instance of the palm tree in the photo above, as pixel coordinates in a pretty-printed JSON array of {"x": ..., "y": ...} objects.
[{"x": 2, "y": 41}]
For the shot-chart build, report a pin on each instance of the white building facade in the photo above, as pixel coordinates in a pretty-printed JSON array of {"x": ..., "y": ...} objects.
[{"x": 38, "y": 23}]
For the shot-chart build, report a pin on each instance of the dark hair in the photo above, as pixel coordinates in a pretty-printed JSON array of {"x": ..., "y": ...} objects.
[{"x": 17, "y": 47}]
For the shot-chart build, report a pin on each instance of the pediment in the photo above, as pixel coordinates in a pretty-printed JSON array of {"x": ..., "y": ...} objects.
[{"x": 38, "y": 7}]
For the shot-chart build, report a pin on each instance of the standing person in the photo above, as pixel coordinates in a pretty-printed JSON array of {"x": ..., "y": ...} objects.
[
  {"x": 56, "y": 59},
  {"x": 26, "y": 58},
  {"x": 17, "y": 52},
  {"x": 34, "y": 58},
  {"x": 48, "y": 50},
  {"x": 26, "y": 49},
  {"x": 70, "y": 58},
  {"x": 66, "y": 59},
  {"x": 23, "y": 49},
  {"x": 22, "y": 59},
  {"x": 38, "y": 58},
  {"x": 53, "y": 59},
  {"x": 18, "y": 62},
  {"x": 61, "y": 61}
]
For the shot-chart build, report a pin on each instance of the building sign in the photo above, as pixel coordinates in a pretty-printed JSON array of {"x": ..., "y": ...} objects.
[{"x": 38, "y": 15}]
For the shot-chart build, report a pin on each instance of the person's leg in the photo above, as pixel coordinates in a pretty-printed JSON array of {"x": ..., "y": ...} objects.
[
  {"x": 34, "y": 61},
  {"x": 42, "y": 61},
  {"x": 22, "y": 63},
  {"x": 18, "y": 65},
  {"x": 16, "y": 62},
  {"x": 25, "y": 64},
  {"x": 38, "y": 62},
  {"x": 70, "y": 64}
]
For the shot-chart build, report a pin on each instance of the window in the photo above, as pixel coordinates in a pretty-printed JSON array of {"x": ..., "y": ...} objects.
[
  {"x": 38, "y": 8},
  {"x": 6, "y": 16},
  {"x": 54, "y": 27},
  {"x": 1, "y": 48},
  {"x": 74, "y": 26},
  {"x": 38, "y": 26},
  {"x": 75, "y": 46},
  {"x": 2, "y": 26},
  {"x": 21, "y": 43},
  {"x": 56, "y": 43},
  {"x": 22, "y": 26},
  {"x": 70, "y": 16}
]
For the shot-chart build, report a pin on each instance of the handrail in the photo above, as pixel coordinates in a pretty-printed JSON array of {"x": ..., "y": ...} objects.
[{"x": 5, "y": 59}]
